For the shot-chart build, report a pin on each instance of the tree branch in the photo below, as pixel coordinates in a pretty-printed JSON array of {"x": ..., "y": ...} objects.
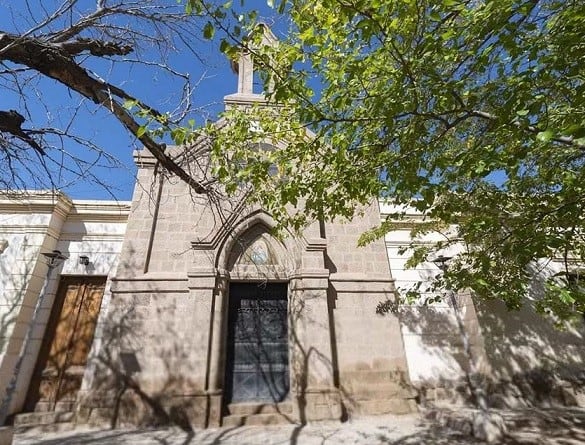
[
  {"x": 95, "y": 47},
  {"x": 55, "y": 62},
  {"x": 566, "y": 140},
  {"x": 11, "y": 122}
]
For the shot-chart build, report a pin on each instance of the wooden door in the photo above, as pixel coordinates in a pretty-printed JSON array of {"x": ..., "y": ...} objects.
[
  {"x": 257, "y": 352},
  {"x": 66, "y": 344}
]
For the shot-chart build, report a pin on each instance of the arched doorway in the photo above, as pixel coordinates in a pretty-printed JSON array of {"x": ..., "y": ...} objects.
[{"x": 257, "y": 344}]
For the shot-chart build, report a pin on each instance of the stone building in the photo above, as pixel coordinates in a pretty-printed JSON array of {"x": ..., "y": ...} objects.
[
  {"x": 227, "y": 324},
  {"x": 175, "y": 308}
]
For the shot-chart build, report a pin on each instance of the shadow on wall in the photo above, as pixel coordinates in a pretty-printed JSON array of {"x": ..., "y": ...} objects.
[
  {"x": 445, "y": 365},
  {"x": 174, "y": 391},
  {"x": 117, "y": 396},
  {"x": 531, "y": 362},
  {"x": 307, "y": 362},
  {"x": 14, "y": 285},
  {"x": 531, "y": 359},
  {"x": 15, "y": 277}
]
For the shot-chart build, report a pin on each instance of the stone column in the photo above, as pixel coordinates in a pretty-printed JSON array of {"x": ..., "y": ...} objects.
[
  {"x": 312, "y": 367},
  {"x": 209, "y": 291}
]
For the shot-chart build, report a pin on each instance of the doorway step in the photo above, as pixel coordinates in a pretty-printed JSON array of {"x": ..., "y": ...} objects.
[
  {"x": 241, "y": 414},
  {"x": 49, "y": 421}
]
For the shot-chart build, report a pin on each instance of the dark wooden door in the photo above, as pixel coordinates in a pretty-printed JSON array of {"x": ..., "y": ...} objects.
[
  {"x": 257, "y": 353},
  {"x": 66, "y": 343}
]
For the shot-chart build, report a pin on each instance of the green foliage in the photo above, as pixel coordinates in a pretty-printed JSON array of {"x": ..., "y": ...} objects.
[{"x": 471, "y": 112}]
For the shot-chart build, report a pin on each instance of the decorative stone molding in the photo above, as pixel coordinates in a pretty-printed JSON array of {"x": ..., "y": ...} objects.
[
  {"x": 144, "y": 159},
  {"x": 316, "y": 245},
  {"x": 171, "y": 283},
  {"x": 36, "y": 202},
  {"x": 3, "y": 245}
]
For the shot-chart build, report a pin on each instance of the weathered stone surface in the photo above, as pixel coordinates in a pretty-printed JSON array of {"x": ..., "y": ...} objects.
[
  {"x": 489, "y": 427},
  {"x": 6, "y": 434}
]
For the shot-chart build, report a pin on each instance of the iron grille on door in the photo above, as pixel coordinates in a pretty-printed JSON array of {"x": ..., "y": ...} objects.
[{"x": 257, "y": 353}]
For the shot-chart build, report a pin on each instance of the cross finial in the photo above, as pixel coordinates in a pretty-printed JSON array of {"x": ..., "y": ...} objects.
[{"x": 244, "y": 67}]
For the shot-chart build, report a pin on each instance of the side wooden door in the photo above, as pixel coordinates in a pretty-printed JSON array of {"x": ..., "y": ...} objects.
[{"x": 66, "y": 344}]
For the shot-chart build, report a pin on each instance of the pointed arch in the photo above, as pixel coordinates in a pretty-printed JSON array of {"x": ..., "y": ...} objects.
[{"x": 249, "y": 250}]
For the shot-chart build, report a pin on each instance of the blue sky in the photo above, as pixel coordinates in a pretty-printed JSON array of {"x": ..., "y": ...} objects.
[{"x": 50, "y": 103}]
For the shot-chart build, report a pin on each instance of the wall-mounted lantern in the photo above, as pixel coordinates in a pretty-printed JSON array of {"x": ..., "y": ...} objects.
[{"x": 54, "y": 258}]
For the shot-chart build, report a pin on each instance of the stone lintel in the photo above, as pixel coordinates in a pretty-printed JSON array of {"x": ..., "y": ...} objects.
[{"x": 150, "y": 283}]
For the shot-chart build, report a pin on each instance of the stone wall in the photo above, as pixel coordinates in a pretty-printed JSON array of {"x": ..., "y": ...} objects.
[{"x": 170, "y": 297}]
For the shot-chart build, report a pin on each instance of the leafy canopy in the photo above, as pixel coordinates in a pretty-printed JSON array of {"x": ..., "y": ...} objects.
[{"x": 472, "y": 112}]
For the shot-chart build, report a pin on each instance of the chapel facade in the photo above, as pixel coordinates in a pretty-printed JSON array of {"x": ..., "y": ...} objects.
[
  {"x": 178, "y": 308},
  {"x": 220, "y": 322}
]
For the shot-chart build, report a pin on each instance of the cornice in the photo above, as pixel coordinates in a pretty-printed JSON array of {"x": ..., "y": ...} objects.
[
  {"x": 23, "y": 228},
  {"x": 240, "y": 99},
  {"x": 45, "y": 202},
  {"x": 105, "y": 237},
  {"x": 100, "y": 211},
  {"x": 35, "y": 201},
  {"x": 35, "y": 229}
]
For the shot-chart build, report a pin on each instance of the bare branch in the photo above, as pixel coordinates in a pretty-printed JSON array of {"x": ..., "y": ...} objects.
[
  {"x": 95, "y": 48},
  {"x": 55, "y": 62},
  {"x": 11, "y": 122}
]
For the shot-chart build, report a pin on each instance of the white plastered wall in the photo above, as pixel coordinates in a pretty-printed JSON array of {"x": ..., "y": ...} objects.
[
  {"x": 431, "y": 337},
  {"x": 37, "y": 222},
  {"x": 521, "y": 342},
  {"x": 513, "y": 342}
]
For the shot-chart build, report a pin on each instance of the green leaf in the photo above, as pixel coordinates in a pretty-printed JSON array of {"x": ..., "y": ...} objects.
[
  {"x": 129, "y": 103},
  {"x": 577, "y": 131},
  {"x": 141, "y": 131},
  {"x": 545, "y": 136},
  {"x": 208, "y": 31},
  {"x": 224, "y": 46}
]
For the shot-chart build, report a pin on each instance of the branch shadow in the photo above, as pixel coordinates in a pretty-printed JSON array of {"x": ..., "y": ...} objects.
[{"x": 525, "y": 360}]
